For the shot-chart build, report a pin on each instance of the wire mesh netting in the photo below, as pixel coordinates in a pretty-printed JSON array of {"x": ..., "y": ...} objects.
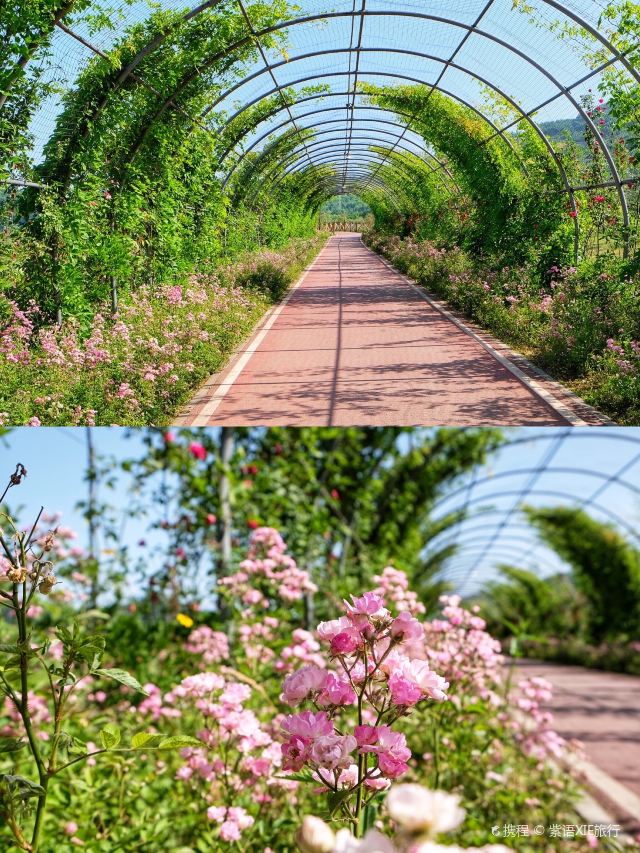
[
  {"x": 595, "y": 471},
  {"x": 541, "y": 58}
]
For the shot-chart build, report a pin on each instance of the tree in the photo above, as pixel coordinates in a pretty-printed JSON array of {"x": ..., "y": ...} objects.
[
  {"x": 524, "y": 604},
  {"x": 606, "y": 568},
  {"x": 349, "y": 501}
]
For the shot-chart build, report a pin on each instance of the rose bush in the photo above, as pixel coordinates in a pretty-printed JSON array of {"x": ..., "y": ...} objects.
[
  {"x": 283, "y": 730},
  {"x": 141, "y": 365}
]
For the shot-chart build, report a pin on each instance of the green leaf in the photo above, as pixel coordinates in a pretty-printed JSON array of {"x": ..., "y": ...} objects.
[
  {"x": 178, "y": 742},
  {"x": 11, "y": 744},
  {"x": 123, "y": 677},
  {"x": 142, "y": 739},
  {"x": 298, "y": 777},
  {"x": 336, "y": 798},
  {"x": 109, "y": 736}
]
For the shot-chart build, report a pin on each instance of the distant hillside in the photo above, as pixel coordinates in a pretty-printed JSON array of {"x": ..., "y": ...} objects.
[
  {"x": 346, "y": 207},
  {"x": 558, "y": 129}
]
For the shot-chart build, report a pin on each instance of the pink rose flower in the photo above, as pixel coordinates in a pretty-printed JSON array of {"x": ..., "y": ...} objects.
[
  {"x": 405, "y": 627},
  {"x": 332, "y": 751},
  {"x": 370, "y": 604},
  {"x": 336, "y": 692},
  {"x": 308, "y": 724},
  {"x": 345, "y": 643},
  {"x": 302, "y": 683}
]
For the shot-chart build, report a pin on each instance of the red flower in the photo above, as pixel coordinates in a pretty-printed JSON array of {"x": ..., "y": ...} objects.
[
  {"x": 198, "y": 450},
  {"x": 252, "y": 523}
]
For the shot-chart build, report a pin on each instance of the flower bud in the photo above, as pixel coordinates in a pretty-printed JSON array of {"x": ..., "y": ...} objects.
[
  {"x": 315, "y": 836},
  {"x": 46, "y": 584}
]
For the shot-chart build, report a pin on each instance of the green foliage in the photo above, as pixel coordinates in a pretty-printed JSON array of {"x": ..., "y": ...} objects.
[
  {"x": 513, "y": 214},
  {"x": 344, "y": 207},
  {"x": 606, "y": 568},
  {"x": 351, "y": 500},
  {"x": 525, "y": 605}
]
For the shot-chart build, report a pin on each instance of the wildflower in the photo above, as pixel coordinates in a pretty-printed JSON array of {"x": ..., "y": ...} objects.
[
  {"x": 184, "y": 620},
  {"x": 417, "y": 810}
]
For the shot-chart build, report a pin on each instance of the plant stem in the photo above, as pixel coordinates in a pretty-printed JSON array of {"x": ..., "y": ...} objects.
[{"x": 23, "y": 708}]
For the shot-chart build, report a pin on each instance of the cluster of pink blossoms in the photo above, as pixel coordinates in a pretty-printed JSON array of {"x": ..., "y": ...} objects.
[
  {"x": 239, "y": 757},
  {"x": 304, "y": 648},
  {"x": 464, "y": 651},
  {"x": 534, "y": 733},
  {"x": 393, "y": 586},
  {"x": 210, "y": 646},
  {"x": 268, "y": 569},
  {"x": 373, "y": 683},
  {"x": 38, "y": 710}
]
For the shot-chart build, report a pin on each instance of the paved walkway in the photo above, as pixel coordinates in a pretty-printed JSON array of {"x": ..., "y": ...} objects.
[
  {"x": 357, "y": 344},
  {"x": 602, "y": 711}
]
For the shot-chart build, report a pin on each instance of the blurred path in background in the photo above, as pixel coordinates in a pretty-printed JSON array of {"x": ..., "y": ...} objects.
[{"x": 602, "y": 711}]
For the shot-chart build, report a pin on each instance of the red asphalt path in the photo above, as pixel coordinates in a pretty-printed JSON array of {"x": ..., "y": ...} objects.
[
  {"x": 357, "y": 344},
  {"x": 602, "y": 711}
]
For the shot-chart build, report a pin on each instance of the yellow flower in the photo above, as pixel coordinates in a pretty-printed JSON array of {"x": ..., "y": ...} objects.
[{"x": 185, "y": 620}]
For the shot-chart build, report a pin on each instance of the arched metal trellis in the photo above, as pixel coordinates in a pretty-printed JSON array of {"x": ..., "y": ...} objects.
[
  {"x": 461, "y": 48},
  {"x": 543, "y": 468}
]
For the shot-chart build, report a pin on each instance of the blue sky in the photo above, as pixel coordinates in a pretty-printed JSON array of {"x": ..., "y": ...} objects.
[{"x": 55, "y": 460}]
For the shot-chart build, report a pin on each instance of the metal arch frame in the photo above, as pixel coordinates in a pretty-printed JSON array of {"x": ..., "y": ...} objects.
[
  {"x": 560, "y": 469},
  {"x": 268, "y": 133},
  {"x": 502, "y": 555},
  {"x": 269, "y": 68},
  {"x": 350, "y": 109},
  {"x": 485, "y": 9},
  {"x": 332, "y": 134},
  {"x": 330, "y": 177},
  {"x": 329, "y": 159},
  {"x": 358, "y": 174},
  {"x": 448, "y": 64},
  {"x": 372, "y": 143},
  {"x": 329, "y": 94},
  {"x": 516, "y": 524},
  {"x": 292, "y": 159},
  {"x": 509, "y": 554},
  {"x": 330, "y": 183},
  {"x": 582, "y": 503},
  {"x": 422, "y": 83},
  {"x": 291, "y": 168},
  {"x": 597, "y": 35},
  {"x": 362, "y": 160},
  {"x": 336, "y": 190},
  {"x": 618, "y": 56},
  {"x": 289, "y": 164},
  {"x": 320, "y": 95},
  {"x": 564, "y": 496},
  {"x": 317, "y": 96}
]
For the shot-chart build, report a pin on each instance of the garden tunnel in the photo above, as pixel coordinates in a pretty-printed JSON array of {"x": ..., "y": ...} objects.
[
  {"x": 178, "y": 126},
  {"x": 491, "y": 527}
]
